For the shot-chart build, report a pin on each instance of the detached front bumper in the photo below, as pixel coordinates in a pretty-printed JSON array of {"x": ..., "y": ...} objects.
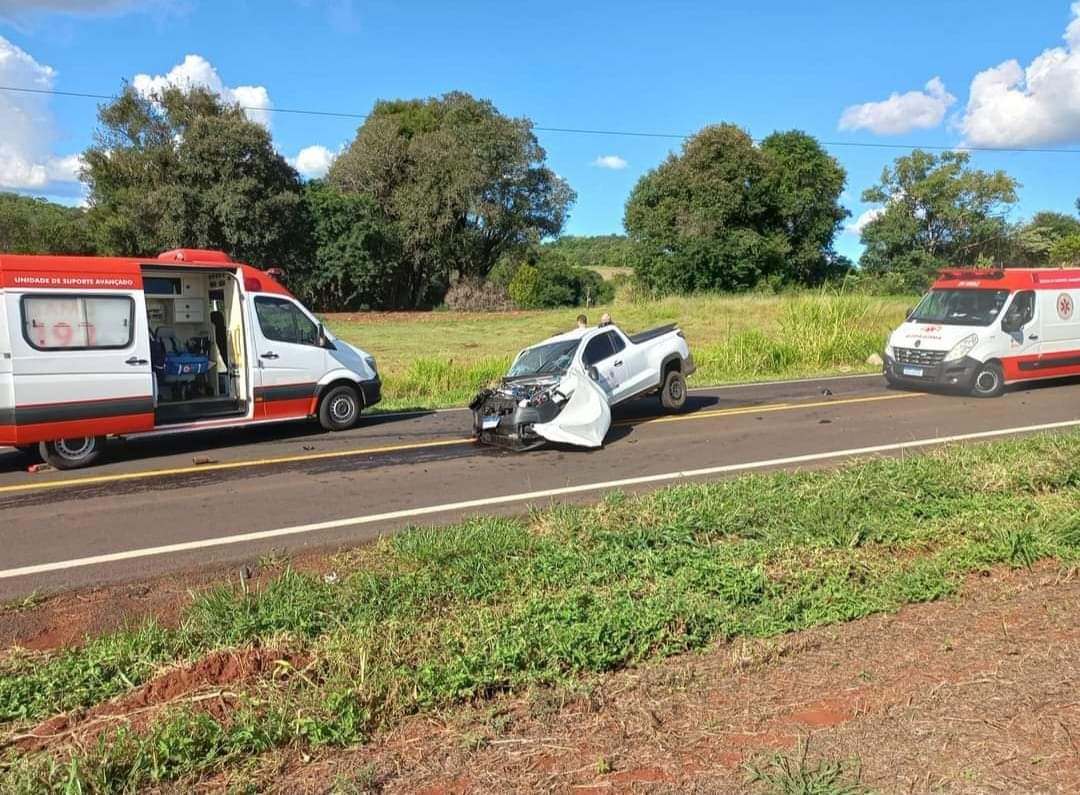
[{"x": 959, "y": 374}]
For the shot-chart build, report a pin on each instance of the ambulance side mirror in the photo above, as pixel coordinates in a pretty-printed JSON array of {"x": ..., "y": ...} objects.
[
  {"x": 324, "y": 341},
  {"x": 594, "y": 374}
]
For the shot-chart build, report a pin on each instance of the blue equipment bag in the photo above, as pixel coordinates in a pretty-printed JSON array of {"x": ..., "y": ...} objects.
[{"x": 185, "y": 364}]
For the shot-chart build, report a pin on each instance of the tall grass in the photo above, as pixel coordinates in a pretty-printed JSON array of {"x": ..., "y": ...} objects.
[
  {"x": 432, "y": 617},
  {"x": 442, "y": 359}
]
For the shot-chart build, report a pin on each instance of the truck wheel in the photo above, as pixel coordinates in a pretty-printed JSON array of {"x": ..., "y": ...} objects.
[
  {"x": 673, "y": 393},
  {"x": 339, "y": 409},
  {"x": 989, "y": 381},
  {"x": 73, "y": 452}
]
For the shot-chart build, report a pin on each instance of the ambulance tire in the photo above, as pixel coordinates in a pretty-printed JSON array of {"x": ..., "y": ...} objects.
[
  {"x": 73, "y": 453},
  {"x": 989, "y": 381},
  {"x": 339, "y": 408},
  {"x": 673, "y": 392}
]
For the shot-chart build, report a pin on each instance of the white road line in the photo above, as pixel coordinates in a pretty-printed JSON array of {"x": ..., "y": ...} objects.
[{"x": 410, "y": 513}]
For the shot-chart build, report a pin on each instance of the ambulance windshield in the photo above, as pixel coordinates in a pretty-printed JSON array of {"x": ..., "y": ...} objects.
[{"x": 960, "y": 307}]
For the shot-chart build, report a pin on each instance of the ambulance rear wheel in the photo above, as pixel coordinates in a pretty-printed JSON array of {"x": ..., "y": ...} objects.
[
  {"x": 73, "y": 452},
  {"x": 989, "y": 381},
  {"x": 673, "y": 393},
  {"x": 339, "y": 409}
]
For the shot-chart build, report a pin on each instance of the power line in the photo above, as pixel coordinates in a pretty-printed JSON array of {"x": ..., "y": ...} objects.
[{"x": 585, "y": 131}]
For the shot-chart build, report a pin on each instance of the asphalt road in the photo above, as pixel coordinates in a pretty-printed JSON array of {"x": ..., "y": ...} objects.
[{"x": 152, "y": 510}]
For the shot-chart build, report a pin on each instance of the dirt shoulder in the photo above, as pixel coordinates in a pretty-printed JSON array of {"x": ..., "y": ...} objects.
[{"x": 975, "y": 694}]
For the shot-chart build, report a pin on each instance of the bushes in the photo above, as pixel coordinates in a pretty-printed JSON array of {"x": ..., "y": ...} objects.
[
  {"x": 473, "y": 295},
  {"x": 551, "y": 284}
]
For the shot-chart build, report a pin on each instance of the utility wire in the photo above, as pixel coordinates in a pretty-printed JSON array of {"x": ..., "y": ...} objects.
[{"x": 583, "y": 131}]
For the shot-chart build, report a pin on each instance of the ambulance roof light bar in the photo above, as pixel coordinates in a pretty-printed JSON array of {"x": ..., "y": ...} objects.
[{"x": 972, "y": 274}]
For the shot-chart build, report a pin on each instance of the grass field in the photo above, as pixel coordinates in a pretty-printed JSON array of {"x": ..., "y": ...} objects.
[
  {"x": 438, "y": 359},
  {"x": 435, "y": 617}
]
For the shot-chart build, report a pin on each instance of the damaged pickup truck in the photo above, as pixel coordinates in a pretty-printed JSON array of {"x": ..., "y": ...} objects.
[{"x": 563, "y": 389}]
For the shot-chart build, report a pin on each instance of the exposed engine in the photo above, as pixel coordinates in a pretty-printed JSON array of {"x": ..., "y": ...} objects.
[{"x": 504, "y": 416}]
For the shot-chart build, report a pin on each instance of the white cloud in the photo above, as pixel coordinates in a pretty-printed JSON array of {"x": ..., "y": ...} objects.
[
  {"x": 26, "y": 125},
  {"x": 313, "y": 161},
  {"x": 1014, "y": 106},
  {"x": 901, "y": 113},
  {"x": 610, "y": 161},
  {"x": 856, "y": 227},
  {"x": 196, "y": 71}
]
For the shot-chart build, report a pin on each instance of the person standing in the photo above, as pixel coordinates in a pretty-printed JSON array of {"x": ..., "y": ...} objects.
[
  {"x": 582, "y": 321},
  {"x": 605, "y": 319}
]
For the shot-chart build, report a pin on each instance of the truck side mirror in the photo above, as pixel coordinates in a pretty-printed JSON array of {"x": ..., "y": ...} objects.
[{"x": 594, "y": 374}]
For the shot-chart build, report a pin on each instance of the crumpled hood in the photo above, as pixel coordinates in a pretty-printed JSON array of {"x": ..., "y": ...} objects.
[{"x": 932, "y": 336}]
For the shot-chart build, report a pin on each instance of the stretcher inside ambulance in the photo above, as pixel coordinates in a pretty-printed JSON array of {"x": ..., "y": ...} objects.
[
  {"x": 93, "y": 347},
  {"x": 981, "y": 330}
]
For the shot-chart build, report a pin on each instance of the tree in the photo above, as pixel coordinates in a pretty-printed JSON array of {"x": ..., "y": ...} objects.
[
  {"x": 37, "y": 226},
  {"x": 183, "y": 169},
  {"x": 1066, "y": 251},
  {"x": 1033, "y": 241},
  {"x": 937, "y": 212},
  {"x": 460, "y": 183},
  {"x": 355, "y": 257},
  {"x": 726, "y": 214},
  {"x": 802, "y": 189}
]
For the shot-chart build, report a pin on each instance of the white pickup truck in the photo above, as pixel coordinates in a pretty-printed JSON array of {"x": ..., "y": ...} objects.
[{"x": 562, "y": 389}]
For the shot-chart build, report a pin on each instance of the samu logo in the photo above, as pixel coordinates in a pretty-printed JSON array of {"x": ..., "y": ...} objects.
[{"x": 1065, "y": 306}]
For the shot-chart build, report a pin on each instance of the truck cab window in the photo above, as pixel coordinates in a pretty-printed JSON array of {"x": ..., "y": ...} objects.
[
  {"x": 597, "y": 349},
  {"x": 617, "y": 343},
  {"x": 282, "y": 321}
]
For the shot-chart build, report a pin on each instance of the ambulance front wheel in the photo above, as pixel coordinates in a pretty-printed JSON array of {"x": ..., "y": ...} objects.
[
  {"x": 74, "y": 452},
  {"x": 989, "y": 381},
  {"x": 339, "y": 409}
]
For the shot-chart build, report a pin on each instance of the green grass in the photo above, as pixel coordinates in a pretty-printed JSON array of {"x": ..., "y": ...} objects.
[
  {"x": 436, "y": 359},
  {"x": 782, "y": 774},
  {"x": 434, "y": 617}
]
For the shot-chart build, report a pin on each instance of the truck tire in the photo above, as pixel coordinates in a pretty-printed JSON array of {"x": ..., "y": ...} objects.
[
  {"x": 673, "y": 392},
  {"x": 989, "y": 381},
  {"x": 74, "y": 452},
  {"x": 339, "y": 408}
]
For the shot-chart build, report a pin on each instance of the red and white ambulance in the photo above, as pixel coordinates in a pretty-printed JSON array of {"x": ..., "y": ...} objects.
[
  {"x": 93, "y": 347},
  {"x": 980, "y": 330}
]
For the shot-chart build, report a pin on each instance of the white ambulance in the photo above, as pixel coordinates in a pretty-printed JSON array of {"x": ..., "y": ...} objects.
[
  {"x": 94, "y": 347},
  {"x": 979, "y": 330}
]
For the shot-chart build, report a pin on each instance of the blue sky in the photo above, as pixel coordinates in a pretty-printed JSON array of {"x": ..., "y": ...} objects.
[{"x": 665, "y": 67}]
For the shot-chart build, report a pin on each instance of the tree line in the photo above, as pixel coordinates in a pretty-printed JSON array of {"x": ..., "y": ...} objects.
[{"x": 446, "y": 200}]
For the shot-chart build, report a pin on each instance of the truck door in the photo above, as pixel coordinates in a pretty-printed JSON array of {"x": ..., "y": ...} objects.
[
  {"x": 634, "y": 374},
  {"x": 80, "y": 364},
  {"x": 600, "y": 353},
  {"x": 289, "y": 361}
]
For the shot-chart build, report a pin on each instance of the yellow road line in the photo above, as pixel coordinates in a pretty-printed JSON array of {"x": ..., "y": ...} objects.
[
  {"x": 304, "y": 457},
  {"x": 767, "y": 407},
  {"x": 288, "y": 459}
]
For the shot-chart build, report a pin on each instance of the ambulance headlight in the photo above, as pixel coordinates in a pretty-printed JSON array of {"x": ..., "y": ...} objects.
[
  {"x": 889, "y": 350},
  {"x": 962, "y": 348}
]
